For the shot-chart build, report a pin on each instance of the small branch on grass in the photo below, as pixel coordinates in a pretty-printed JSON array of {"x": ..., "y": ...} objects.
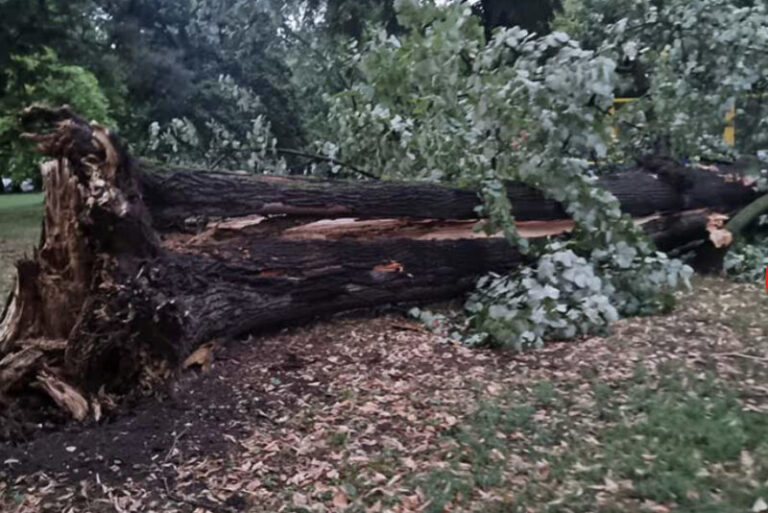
[
  {"x": 742, "y": 355},
  {"x": 296, "y": 153},
  {"x": 173, "y": 444}
]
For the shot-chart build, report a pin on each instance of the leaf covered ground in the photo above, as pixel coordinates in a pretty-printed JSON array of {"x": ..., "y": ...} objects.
[{"x": 374, "y": 415}]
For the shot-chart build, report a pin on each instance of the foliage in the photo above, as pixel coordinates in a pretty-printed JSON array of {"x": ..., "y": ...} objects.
[
  {"x": 175, "y": 54},
  {"x": 157, "y": 62},
  {"x": 70, "y": 27},
  {"x": 349, "y": 17},
  {"x": 559, "y": 299},
  {"x": 213, "y": 145},
  {"x": 440, "y": 103},
  {"x": 747, "y": 260},
  {"x": 678, "y": 439},
  {"x": 42, "y": 78},
  {"x": 78, "y": 31},
  {"x": 689, "y": 61}
]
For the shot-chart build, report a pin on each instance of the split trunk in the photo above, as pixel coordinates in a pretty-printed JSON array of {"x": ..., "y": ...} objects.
[{"x": 138, "y": 264}]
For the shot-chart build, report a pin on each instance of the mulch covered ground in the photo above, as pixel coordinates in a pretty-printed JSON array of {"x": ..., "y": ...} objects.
[{"x": 357, "y": 414}]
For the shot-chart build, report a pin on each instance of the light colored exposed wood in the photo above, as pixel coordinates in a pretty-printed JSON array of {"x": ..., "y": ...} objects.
[
  {"x": 370, "y": 229},
  {"x": 14, "y": 366},
  {"x": 64, "y": 394},
  {"x": 202, "y": 356}
]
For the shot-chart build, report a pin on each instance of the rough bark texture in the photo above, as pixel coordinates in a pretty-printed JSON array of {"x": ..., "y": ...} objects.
[
  {"x": 139, "y": 265},
  {"x": 180, "y": 199},
  {"x": 96, "y": 237}
]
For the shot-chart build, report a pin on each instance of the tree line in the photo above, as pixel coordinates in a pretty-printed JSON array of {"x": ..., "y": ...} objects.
[{"x": 216, "y": 64}]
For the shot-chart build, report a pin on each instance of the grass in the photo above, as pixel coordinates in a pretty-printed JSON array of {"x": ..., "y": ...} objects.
[
  {"x": 671, "y": 436},
  {"x": 20, "y": 217},
  {"x": 683, "y": 442}
]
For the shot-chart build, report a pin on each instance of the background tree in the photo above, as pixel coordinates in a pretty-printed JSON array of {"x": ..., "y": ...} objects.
[
  {"x": 42, "y": 78},
  {"x": 532, "y": 15},
  {"x": 176, "y": 54}
]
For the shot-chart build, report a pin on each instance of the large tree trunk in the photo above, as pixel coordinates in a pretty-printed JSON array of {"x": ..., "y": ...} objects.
[
  {"x": 182, "y": 200},
  {"x": 138, "y": 266}
]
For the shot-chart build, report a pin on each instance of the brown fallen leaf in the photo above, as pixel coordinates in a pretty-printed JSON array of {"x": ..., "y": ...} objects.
[
  {"x": 202, "y": 356},
  {"x": 340, "y": 498},
  {"x": 718, "y": 234},
  {"x": 747, "y": 462},
  {"x": 391, "y": 267},
  {"x": 611, "y": 485},
  {"x": 655, "y": 507},
  {"x": 543, "y": 469},
  {"x": 299, "y": 500}
]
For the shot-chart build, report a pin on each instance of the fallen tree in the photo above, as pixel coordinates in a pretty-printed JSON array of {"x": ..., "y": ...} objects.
[
  {"x": 139, "y": 265},
  {"x": 179, "y": 198}
]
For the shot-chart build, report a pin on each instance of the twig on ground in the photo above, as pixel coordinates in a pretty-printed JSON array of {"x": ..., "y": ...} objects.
[
  {"x": 173, "y": 444},
  {"x": 206, "y": 505},
  {"x": 742, "y": 355}
]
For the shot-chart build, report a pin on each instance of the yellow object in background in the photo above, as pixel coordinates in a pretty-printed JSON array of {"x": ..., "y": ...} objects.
[{"x": 729, "y": 133}]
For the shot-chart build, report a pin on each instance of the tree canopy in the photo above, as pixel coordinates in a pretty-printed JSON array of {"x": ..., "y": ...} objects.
[{"x": 178, "y": 61}]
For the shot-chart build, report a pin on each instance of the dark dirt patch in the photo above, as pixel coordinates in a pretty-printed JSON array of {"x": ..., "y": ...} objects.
[
  {"x": 203, "y": 416},
  {"x": 196, "y": 420}
]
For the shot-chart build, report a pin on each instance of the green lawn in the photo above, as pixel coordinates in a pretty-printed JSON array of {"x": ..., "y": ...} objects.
[{"x": 20, "y": 216}]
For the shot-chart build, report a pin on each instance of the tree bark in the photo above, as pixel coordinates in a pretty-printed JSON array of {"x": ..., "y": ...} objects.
[
  {"x": 139, "y": 265},
  {"x": 183, "y": 200}
]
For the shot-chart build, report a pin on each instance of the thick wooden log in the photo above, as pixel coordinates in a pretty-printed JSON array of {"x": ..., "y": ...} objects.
[
  {"x": 131, "y": 304},
  {"x": 240, "y": 284},
  {"x": 237, "y": 288},
  {"x": 184, "y": 199}
]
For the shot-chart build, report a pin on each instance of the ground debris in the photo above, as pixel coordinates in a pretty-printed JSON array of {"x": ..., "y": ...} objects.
[{"x": 378, "y": 415}]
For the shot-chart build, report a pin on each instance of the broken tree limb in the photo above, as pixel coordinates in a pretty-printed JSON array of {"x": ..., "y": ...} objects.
[
  {"x": 747, "y": 215},
  {"x": 138, "y": 265},
  {"x": 180, "y": 198},
  {"x": 710, "y": 257}
]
